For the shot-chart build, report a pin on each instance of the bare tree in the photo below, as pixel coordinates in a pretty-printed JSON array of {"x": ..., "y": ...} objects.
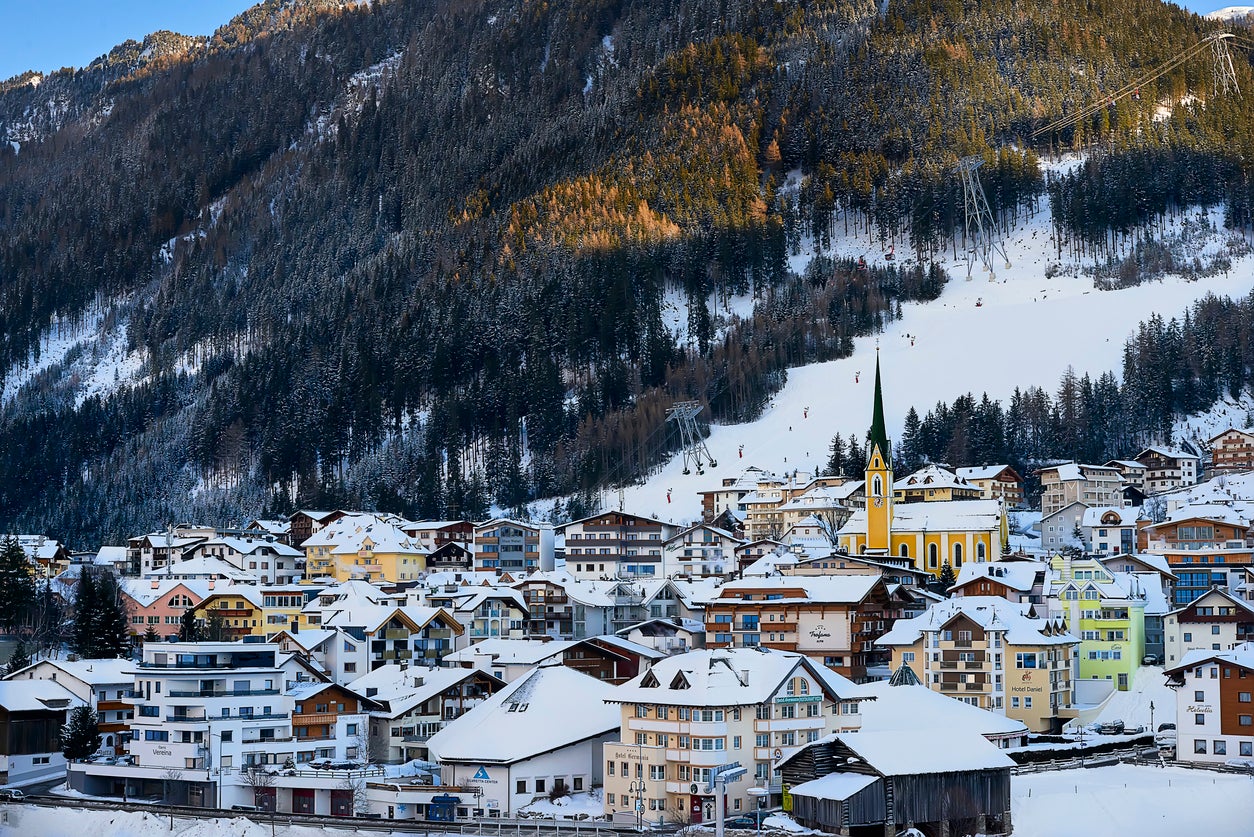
[
  {"x": 357, "y": 786},
  {"x": 258, "y": 778}
]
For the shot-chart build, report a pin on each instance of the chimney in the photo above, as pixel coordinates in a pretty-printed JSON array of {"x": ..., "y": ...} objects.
[
  {"x": 417, "y": 682},
  {"x": 155, "y": 584},
  {"x": 211, "y": 583},
  {"x": 744, "y": 677}
]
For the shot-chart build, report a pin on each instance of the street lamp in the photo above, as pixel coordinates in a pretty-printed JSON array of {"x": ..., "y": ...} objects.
[
  {"x": 637, "y": 786},
  {"x": 759, "y": 793}
]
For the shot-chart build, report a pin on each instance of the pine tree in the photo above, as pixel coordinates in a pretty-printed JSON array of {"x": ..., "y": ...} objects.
[
  {"x": 215, "y": 627},
  {"x": 111, "y": 621},
  {"x": 947, "y": 578},
  {"x": 836, "y": 459},
  {"x": 19, "y": 660},
  {"x": 82, "y": 636},
  {"x": 151, "y": 635},
  {"x": 189, "y": 629},
  {"x": 17, "y": 587},
  {"x": 80, "y": 737}
]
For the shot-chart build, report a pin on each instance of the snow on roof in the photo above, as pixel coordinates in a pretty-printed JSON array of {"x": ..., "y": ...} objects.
[
  {"x": 1169, "y": 453},
  {"x": 1222, "y": 593},
  {"x": 1218, "y": 512},
  {"x": 1070, "y": 471},
  {"x": 769, "y": 564},
  {"x": 695, "y": 593},
  {"x": 350, "y": 533},
  {"x": 1127, "y": 516},
  {"x": 1151, "y": 584},
  {"x": 946, "y": 515},
  {"x": 1148, "y": 559},
  {"x": 247, "y": 546},
  {"x": 144, "y": 594},
  {"x": 722, "y": 533},
  {"x": 550, "y": 707},
  {"x": 401, "y": 689},
  {"x": 1128, "y": 464},
  {"x": 310, "y": 638},
  {"x": 275, "y": 527},
  {"x": 626, "y": 646},
  {"x": 841, "y": 589},
  {"x": 511, "y": 651},
  {"x": 38, "y": 695},
  {"x": 469, "y": 599},
  {"x": 203, "y": 566},
  {"x": 981, "y": 472},
  {"x": 933, "y": 476},
  {"x": 989, "y": 612},
  {"x": 1241, "y": 655},
  {"x": 665, "y": 626},
  {"x": 918, "y": 708},
  {"x": 729, "y": 677},
  {"x": 110, "y": 555},
  {"x": 1017, "y": 575},
  {"x": 839, "y": 786},
  {"x": 371, "y": 617},
  {"x": 898, "y": 752},
  {"x": 91, "y": 672}
]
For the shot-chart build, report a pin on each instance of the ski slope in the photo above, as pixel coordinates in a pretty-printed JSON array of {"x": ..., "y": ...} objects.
[{"x": 981, "y": 336}]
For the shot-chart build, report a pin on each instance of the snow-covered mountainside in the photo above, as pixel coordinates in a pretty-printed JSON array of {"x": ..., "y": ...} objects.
[{"x": 1038, "y": 317}]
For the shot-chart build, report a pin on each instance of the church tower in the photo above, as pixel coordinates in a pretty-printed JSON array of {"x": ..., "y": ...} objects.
[{"x": 879, "y": 478}]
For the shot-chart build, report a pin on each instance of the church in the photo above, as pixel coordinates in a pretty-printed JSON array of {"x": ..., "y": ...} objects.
[{"x": 929, "y": 534}]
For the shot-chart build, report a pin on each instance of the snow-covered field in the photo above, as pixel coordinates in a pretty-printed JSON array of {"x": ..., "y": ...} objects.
[
  {"x": 1133, "y": 706},
  {"x": 1021, "y": 330},
  {"x": 1126, "y": 800},
  {"x": 1117, "y": 801}
]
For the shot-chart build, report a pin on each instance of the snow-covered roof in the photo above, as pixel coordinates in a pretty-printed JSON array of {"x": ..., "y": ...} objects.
[
  {"x": 1217, "y": 512},
  {"x": 505, "y": 652},
  {"x": 144, "y": 594},
  {"x": 946, "y": 515},
  {"x": 769, "y": 564},
  {"x": 820, "y": 589},
  {"x": 349, "y": 534},
  {"x": 247, "y": 546},
  {"x": 371, "y": 617},
  {"x": 665, "y": 626},
  {"x": 989, "y": 612},
  {"x": 469, "y": 599},
  {"x": 898, "y": 752},
  {"x": 933, "y": 476},
  {"x": 1155, "y": 562},
  {"x": 37, "y": 695},
  {"x": 1017, "y": 575},
  {"x": 1241, "y": 655},
  {"x": 1169, "y": 453},
  {"x": 550, "y": 707},
  {"x": 274, "y": 527},
  {"x": 203, "y": 566},
  {"x": 1231, "y": 598},
  {"x": 722, "y": 533},
  {"x": 1126, "y": 516},
  {"x": 1071, "y": 471},
  {"x": 981, "y": 472},
  {"x": 1151, "y": 585},
  {"x": 838, "y": 786},
  {"x": 1126, "y": 464},
  {"x": 110, "y": 555},
  {"x": 918, "y": 708},
  {"x": 729, "y": 677},
  {"x": 401, "y": 689},
  {"x": 91, "y": 672}
]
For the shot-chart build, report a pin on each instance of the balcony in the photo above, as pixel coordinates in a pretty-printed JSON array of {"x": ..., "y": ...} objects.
[
  {"x": 973, "y": 666},
  {"x": 314, "y": 720},
  {"x": 217, "y": 693},
  {"x": 949, "y": 664},
  {"x": 263, "y": 740},
  {"x": 395, "y": 633}
]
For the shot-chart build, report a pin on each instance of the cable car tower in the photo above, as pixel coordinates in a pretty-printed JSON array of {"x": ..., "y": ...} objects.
[
  {"x": 684, "y": 414},
  {"x": 980, "y": 230}
]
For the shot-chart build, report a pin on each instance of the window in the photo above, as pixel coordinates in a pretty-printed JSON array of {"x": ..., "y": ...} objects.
[
  {"x": 539, "y": 786},
  {"x": 1199, "y": 696},
  {"x": 1199, "y": 719},
  {"x": 626, "y": 769},
  {"x": 609, "y": 768},
  {"x": 1188, "y": 637},
  {"x": 1245, "y": 720},
  {"x": 578, "y": 783},
  {"x": 657, "y": 772},
  {"x": 1214, "y": 629},
  {"x": 1014, "y": 703},
  {"x": 1027, "y": 703},
  {"x": 1247, "y": 748},
  {"x": 521, "y": 787},
  {"x": 1220, "y": 748},
  {"x": 1243, "y": 697}
]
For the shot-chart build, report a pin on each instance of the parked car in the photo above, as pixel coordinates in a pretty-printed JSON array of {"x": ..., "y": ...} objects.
[
  {"x": 11, "y": 795},
  {"x": 1150, "y": 660},
  {"x": 1109, "y": 728},
  {"x": 1243, "y": 763},
  {"x": 1165, "y": 727},
  {"x": 749, "y": 820}
]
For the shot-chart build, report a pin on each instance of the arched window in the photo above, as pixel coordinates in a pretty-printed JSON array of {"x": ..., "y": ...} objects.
[
  {"x": 931, "y": 555},
  {"x": 980, "y": 552},
  {"x": 957, "y": 555},
  {"x": 877, "y": 487},
  {"x": 905, "y": 551}
]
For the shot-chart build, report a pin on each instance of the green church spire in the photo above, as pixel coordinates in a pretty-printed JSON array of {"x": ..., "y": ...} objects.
[{"x": 879, "y": 436}]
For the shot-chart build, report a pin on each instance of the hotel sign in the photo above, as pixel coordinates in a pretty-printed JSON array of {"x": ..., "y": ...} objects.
[{"x": 800, "y": 699}]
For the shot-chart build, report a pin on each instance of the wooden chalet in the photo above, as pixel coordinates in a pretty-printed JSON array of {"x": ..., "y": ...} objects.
[{"x": 879, "y": 783}]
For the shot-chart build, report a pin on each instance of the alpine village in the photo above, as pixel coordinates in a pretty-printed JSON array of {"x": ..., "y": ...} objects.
[{"x": 506, "y": 417}]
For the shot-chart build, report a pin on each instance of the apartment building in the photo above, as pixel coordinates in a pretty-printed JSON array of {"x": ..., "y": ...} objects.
[
  {"x": 1167, "y": 469},
  {"x": 699, "y": 551},
  {"x": 366, "y": 547},
  {"x": 996, "y": 482},
  {"x": 503, "y": 545},
  {"x": 693, "y": 712},
  {"x": 101, "y": 684},
  {"x": 1106, "y": 610},
  {"x": 1071, "y": 482},
  {"x": 1214, "y": 707},
  {"x": 1205, "y": 544},
  {"x": 270, "y": 561},
  {"x": 1217, "y": 620},
  {"x": 932, "y": 483},
  {"x": 994, "y": 654},
  {"x": 834, "y": 620},
  {"x": 1232, "y": 451},
  {"x": 615, "y": 545}
]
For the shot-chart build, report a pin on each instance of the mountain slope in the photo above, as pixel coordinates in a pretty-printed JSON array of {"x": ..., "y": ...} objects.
[{"x": 417, "y": 255}]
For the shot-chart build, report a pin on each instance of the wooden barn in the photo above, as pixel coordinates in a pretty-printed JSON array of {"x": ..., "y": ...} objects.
[{"x": 876, "y": 783}]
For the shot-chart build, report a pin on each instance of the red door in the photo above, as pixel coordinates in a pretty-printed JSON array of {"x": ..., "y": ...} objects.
[
  {"x": 302, "y": 800},
  {"x": 694, "y": 805}
]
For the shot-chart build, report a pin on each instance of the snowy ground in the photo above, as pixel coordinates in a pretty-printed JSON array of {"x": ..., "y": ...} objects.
[
  {"x": 1026, "y": 331},
  {"x": 577, "y": 806},
  {"x": 1126, "y": 800},
  {"x": 1132, "y": 707}
]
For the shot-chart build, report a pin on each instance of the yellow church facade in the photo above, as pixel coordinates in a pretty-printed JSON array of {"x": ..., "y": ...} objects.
[{"x": 929, "y": 534}]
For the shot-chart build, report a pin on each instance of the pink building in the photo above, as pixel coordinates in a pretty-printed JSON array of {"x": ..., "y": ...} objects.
[{"x": 161, "y": 603}]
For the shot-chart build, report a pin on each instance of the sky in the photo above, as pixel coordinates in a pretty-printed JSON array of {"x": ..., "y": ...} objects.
[{"x": 46, "y": 35}]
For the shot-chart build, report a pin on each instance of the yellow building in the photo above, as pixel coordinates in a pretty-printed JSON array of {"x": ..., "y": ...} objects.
[
  {"x": 932, "y": 484},
  {"x": 239, "y": 606},
  {"x": 363, "y": 547},
  {"x": 930, "y": 534}
]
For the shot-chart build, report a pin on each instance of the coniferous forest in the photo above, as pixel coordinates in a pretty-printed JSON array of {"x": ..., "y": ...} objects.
[{"x": 416, "y": 255}]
